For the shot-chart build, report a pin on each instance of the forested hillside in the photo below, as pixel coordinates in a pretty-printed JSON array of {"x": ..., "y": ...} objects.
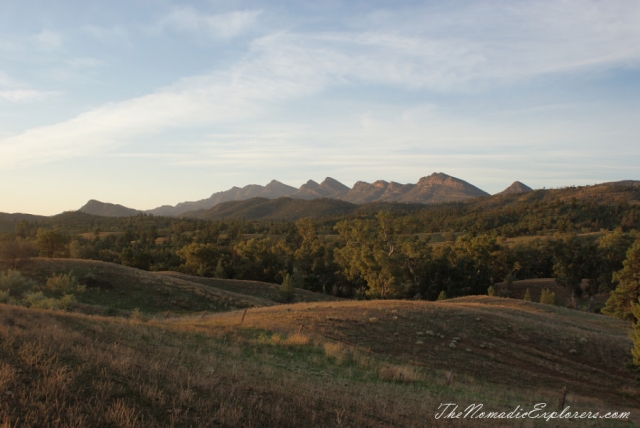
[{"x": 372, "y": 250}]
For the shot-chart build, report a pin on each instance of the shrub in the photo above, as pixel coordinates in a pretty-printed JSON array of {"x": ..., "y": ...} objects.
[
  {"x": 491, "y": 291},
  {"x": 4, "y": 296},
  {"x": 527, "y": 296},
  {"x": 287, "y": 292},
  {"x": 548, "y": 297},
  {"x": 137, "y": 315},
  {"x": 14, "y": 282},
  {"x": 337, "y": 351},
  {"x": 64, "y": 284},
  {"x": 442, "y": 295},
  {"x": 33, "y": 298},
  {"x": 37, "y": 300},
  {"x": 296, "y": 339},
  {"x": 404, "y": 373}
]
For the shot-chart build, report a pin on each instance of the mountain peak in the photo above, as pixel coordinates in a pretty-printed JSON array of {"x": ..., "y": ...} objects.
[
  {"x": 334, "y": 184},
  {"x": 310, "y": 185},
  {"x": 516, "y": 187},
  {"x": 106, "y": 209}
]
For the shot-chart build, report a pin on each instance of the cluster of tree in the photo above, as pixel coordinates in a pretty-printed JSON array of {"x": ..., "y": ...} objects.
[{"x": 377, "y": 255}]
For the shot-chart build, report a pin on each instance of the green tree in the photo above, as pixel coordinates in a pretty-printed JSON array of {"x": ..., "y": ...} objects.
[
  {"x": 50, "y": 242},
  {"x": 575, "y": 259},
  {"x": 369, "y": 252},
  {"x": 263, "y": 259},
  {"x": 635, "y": 333},
  {"x": 613, "y": 249},
  {"x": 620, "y": 300},
  {"x": 313, "y": 259},
  {"x": 199, "y": 259}
]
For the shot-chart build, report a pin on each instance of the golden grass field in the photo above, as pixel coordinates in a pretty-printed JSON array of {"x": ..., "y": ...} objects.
[{"x": 316, "y": 363}]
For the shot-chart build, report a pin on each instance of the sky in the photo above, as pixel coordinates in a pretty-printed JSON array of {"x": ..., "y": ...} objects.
[{"x": 152, "y": 102}]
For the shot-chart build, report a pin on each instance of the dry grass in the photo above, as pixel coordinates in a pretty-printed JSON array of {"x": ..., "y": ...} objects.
[
  {"x": 400, "y": 373},
  {"x": 298, "y": 365}
]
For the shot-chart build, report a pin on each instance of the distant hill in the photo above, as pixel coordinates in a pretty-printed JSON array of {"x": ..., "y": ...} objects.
[
  {"x": 329, "y": 188},
  {"x": 107, "y": 210},
  {"x": 438, "y": 187},
  {"x": 8, "y": 221},
  {"x": 515, "y": 188},
  {"x": 15, "y": 217},
  {"x": 634, "y": 183},
  {"x": 274, "y": 189},
  {"x": 281, "y": 208},
  {"x": 433, "y": 189}
]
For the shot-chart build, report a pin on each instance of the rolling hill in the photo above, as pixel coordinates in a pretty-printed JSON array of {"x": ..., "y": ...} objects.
[
  {"x": 358, "y": 364},
  {"x": 111, "y": 287}
]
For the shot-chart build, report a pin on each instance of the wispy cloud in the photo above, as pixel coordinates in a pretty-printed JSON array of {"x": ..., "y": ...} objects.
[
  {"x": 25, "y": 95},
  {"x": 223, "y": 25},
  {"x": 482, "y": 45},
  {"x": 48, "y": 40},
  {"x": 14, "y": 91}
]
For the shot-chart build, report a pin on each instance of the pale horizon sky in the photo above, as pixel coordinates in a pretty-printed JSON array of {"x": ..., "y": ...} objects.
[{"x": 147, "y": 103}]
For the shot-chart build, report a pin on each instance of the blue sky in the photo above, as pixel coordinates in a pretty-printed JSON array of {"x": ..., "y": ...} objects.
[{"x": 145, "y": 103}]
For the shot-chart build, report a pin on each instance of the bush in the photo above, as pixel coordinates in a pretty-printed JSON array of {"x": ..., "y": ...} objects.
[
  {"x": 64, "y": 284},
  {"x": 14, "y": 282},
  {"x": 442, "y": 295},
  {"x": 37, "y": 300},
  {"x": 287, "y": 292},
  {"x": 491, "y": 291},
  {"x": 4, "y": 296},
  {"x": 548, "y": 297},
  {"x": 137, "y": 315},
  {"x": 527, "y": 296}
]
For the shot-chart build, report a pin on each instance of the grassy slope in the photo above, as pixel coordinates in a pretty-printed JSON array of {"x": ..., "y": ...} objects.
[
  {"x": 500, "y": 340},
  {"x": 252, "y": 288},
  {"x": 118, "y": 288},
  {"x": 337, "y": 370}
]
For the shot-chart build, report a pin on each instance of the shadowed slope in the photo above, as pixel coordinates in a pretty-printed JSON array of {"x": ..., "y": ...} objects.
[{"x": 112, "y": 288}]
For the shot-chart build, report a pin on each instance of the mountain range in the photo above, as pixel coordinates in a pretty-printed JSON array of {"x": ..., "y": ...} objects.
[{"x": 435, "y": 188}]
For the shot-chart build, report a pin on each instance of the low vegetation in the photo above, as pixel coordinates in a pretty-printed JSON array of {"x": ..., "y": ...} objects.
[{"x": 308, "y": 364}]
